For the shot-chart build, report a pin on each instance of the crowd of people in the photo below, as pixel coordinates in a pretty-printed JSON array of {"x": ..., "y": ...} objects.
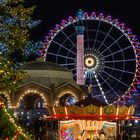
[
  {"x": 45, "y": 130},
  {"x": 41, "y": 129}
]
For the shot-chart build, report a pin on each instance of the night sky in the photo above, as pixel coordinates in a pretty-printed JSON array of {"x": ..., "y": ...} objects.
[{"x": 52, "y": 12}]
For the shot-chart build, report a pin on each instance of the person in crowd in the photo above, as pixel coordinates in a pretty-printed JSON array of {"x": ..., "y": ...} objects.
[
  {"x": 102, "y": 135},
  {"x": 36, "y": 129}
]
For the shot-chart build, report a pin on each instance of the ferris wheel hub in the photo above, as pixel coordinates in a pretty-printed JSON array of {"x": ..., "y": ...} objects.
[{"x": 90, "y": 61}]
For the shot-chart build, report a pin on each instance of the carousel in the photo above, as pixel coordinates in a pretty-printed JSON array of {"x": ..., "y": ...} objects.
[{"x": 90, "y": 118}]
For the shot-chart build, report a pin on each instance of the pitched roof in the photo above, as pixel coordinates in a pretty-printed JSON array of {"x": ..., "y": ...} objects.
[
  {"x": 37, "y": 65},
  {"x": 90, "y": 101}
]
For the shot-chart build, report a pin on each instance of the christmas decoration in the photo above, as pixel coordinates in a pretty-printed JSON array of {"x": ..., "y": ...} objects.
[
  {"x": 15, "y": 44},
  {"x": 8, "y": 126},
  {"x": 15, "y": 25},
  {"x": 10, "y": 78}
]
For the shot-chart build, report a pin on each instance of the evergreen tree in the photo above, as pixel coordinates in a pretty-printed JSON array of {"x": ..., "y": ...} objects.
[
  {"x": 10, "y": 78},
  {"x": 15, "y": 44},
  {"x": 15, "y": 25},
  {"x": 9, "y": 126}
]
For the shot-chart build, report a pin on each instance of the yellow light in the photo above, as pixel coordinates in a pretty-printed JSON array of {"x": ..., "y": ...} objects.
[
  {"x": 116, "y": 118},
  {"x": 66, "y": 112},
  {"x": 1, "y": 71},
  {"x": 101, "y": 110},
  {"x": 117, "y": 111},
  {"x": 13, "y": 122},
  {"x": 62, "y": 93},
  {"x": 31, "y": 91},
  {"x": 54, "y": 111},
  {"x": 128, "y": 112}
]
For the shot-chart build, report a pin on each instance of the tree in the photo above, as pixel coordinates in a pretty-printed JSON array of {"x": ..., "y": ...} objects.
[
  {"x": 10, "y": 78},
  {"x": 15, "y": 25},
  {"x": 15, "y": 44},
  {"x": 9, "y": 126}
]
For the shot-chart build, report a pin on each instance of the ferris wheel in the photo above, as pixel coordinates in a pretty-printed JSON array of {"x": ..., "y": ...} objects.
[{"x": 110, "y": 58}]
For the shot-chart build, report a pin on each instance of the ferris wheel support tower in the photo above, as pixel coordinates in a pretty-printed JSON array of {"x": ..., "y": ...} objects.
[{"x": 80, "y": 55}]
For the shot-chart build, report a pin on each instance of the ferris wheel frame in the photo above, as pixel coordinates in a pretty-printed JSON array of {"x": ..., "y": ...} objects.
[{"x": 115, "y": 23}]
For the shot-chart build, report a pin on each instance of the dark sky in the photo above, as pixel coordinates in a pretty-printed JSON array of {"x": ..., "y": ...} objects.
[{"x": 53, "y": 11}]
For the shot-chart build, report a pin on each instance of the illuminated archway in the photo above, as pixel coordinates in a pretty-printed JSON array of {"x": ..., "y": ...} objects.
[
  {"x": 32, "y": 91},
  {"x": 64, "y": 93}
]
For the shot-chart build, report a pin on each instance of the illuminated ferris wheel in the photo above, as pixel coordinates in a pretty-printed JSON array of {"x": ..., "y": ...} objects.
[{"x": 99, "y": 51}]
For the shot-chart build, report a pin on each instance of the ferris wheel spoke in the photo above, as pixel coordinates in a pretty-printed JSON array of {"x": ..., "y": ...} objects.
[
  {"x": 73, "y": 69},
  {"x": 101, "y": 89},
  {"x": 63, "y": 47},
  {"x": 105, "y": 38},
  {"x": 109, "y": 85},
  {"x": 115, "y": 79},
  {"x": 97, "y": 53},
  {"x": 74, "y": 75},
  {"x": 96, "y": 35},
  {"x": 92, "y": 50},
  {"x": 68, "y": 56},
  {"x": 68, "y": 38},
  {"x": 115, "y": 61},
  {"x": 124, "y": 71},
  {"x": 60, "y": 56},
  {"x": 69, "y": 64},
  {"x": 112, "y": 44},
  {"x": 118, "y": 51}
]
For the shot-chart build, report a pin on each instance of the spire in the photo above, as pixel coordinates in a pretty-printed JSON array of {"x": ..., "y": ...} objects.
[{"x": 80, "y": 14}]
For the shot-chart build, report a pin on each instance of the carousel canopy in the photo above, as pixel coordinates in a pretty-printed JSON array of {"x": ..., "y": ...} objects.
[
  {"x": 92, "y": 109},
  {"x": 92, "y": 112},
  {"x": 90, "y": 101}
]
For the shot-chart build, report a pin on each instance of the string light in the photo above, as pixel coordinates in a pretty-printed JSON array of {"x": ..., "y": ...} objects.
[
  {"x": 8, "y": 98},
  {"x": 99, "y": 85},
  {"x": 61, "y": 94},
  {"x": 11, "y": 120},
  {"x": 32, "y": 91}
]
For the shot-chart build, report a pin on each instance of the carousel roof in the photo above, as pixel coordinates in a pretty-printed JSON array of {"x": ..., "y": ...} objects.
[
  {"x": 90, "y": 101},
  {"x": 92, "y": 112}
]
